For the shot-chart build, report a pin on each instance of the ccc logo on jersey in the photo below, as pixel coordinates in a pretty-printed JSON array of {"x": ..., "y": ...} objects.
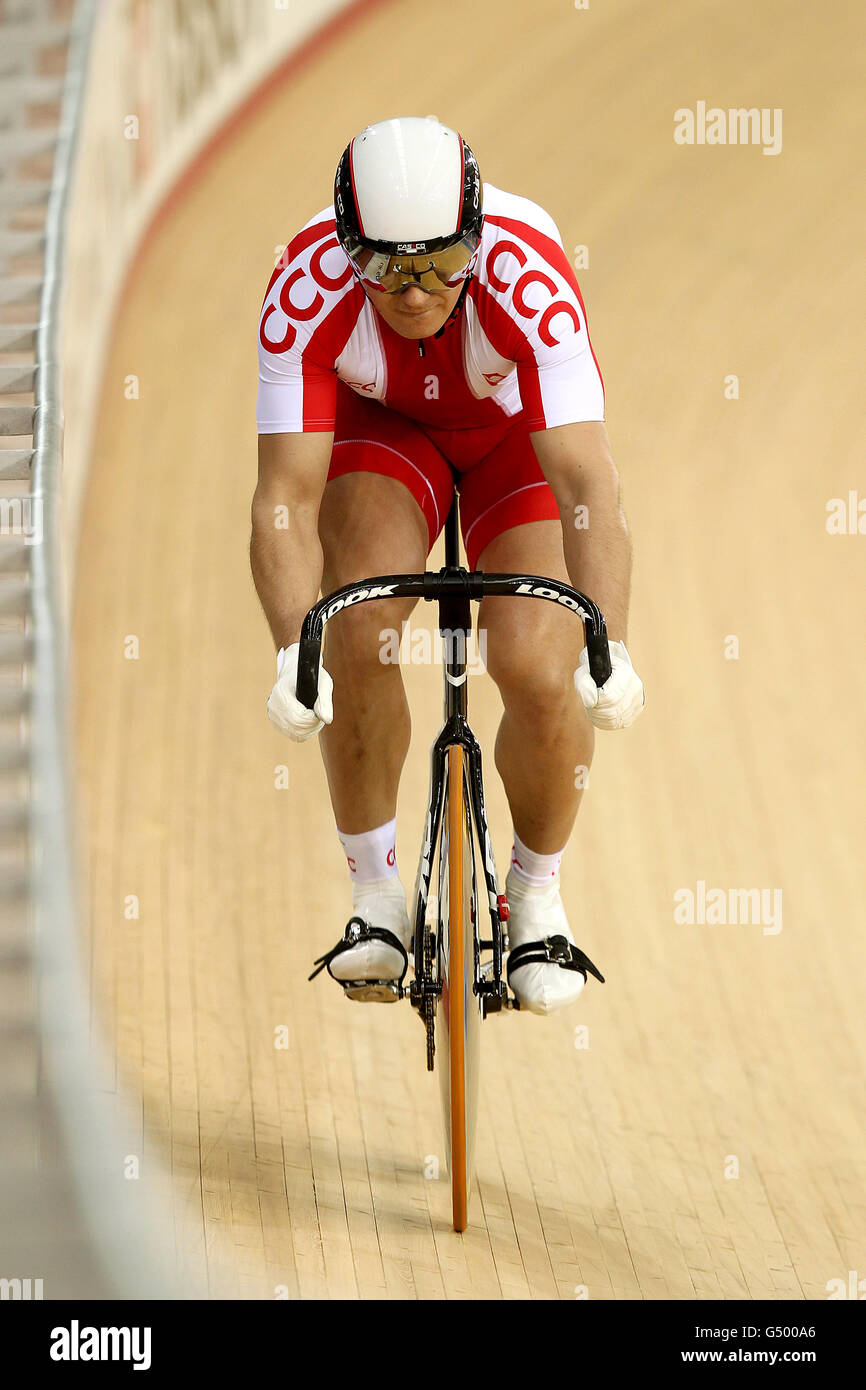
[
  {"x": 303, "y": 313},
  {"x": 530, "y": 277}
]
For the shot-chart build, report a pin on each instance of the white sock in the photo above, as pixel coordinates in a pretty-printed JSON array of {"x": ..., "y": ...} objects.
[
  {"x": 534, "y": 870},
  {"x": 371, "y": 855}
]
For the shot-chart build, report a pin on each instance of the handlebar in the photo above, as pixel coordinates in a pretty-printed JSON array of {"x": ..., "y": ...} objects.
[{"x": 443, "y": 584}]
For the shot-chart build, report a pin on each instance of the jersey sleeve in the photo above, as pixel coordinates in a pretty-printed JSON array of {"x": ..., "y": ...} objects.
[
  {"x": 542, "y": 318},
  {"x": 295, "y": 394},
  {"x": 559, "y": 377},
  {"x": 309, "y": 308},
  {"x": 562, "y": 387}
]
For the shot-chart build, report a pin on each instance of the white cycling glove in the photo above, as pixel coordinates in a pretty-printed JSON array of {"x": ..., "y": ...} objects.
[
  {"x": 285, "y": 710},
  {"x": 620, "y": 700}
]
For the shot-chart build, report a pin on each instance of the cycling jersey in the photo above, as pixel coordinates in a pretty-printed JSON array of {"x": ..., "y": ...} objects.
[{"x": 522, "y": 345}]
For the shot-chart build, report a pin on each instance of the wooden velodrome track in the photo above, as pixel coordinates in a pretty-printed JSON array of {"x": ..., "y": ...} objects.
[{"x": 708, "y": 1142}]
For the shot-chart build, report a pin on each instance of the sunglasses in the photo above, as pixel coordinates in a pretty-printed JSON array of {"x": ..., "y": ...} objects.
[{"x": 432, "y": 271}]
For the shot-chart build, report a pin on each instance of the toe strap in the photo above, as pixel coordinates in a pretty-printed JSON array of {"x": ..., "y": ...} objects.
[
  {"x": 358, "y": 931},
  {"x": 553, "y": 950}
]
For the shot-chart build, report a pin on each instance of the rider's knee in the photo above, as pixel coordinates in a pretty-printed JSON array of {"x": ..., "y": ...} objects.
[
  {"x": 368, "y": 635},
  {"x": 533, "y": 677}
]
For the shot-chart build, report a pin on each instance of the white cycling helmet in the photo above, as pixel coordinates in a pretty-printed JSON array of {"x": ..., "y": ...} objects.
[{"x": 408, "y": 205}]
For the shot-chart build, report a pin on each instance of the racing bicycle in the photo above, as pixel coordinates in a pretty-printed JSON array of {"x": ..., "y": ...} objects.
[{"x": 457, "y": 963}]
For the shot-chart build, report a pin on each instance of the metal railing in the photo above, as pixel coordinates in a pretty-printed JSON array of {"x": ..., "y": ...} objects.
[{"x": 69, "y": 1215}]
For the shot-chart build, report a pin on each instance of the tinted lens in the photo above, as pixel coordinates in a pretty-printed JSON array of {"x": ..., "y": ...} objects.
[{"x": 435, "y": 271}]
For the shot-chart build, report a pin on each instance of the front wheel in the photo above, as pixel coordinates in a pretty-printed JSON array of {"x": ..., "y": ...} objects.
[{"x": 460, "y": 1014}]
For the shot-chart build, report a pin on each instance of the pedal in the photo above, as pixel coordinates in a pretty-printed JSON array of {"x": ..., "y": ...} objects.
[
  {"x": 365, "y": 991},
  {"x": 372, "y": 991},
  {"x": 494, "y": 1002}
]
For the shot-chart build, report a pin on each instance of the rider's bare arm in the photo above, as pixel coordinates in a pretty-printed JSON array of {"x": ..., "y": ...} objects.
[
  {"x": 285, "y": 551},
  {"x": 576, "y": 461}
]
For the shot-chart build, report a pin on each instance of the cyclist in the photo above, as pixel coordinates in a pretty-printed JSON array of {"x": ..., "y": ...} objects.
[{"x": 427, "y": 323}]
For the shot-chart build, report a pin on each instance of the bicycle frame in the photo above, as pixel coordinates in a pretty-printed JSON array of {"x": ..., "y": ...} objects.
[{"x": 455, "y": 626}]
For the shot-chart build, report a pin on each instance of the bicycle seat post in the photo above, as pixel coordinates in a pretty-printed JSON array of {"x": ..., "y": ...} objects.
[{"x": 452, "y": 534}]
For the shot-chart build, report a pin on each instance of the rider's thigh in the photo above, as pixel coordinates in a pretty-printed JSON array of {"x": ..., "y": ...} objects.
[
  {"x": 531, "y": 647},
  {"x": 369, "y": 525}
]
